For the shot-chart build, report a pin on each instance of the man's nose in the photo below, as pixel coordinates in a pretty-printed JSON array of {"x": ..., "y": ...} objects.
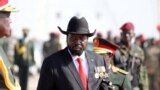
[
  {"x": 79, "y": 41},
  {"x": 9, "y": 21}
]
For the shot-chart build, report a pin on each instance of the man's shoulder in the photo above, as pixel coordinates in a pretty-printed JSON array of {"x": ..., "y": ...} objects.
[
  {"x": 117, "y": 78},
  {"x": 58, "y": 53},
  {"x": 55, "y": 57},
  {"x": 136, "y": 47},
  {"x": 119, "y": 70},
  {"x": 93, "y": 54},
  {"x": 117, "y": 75}
]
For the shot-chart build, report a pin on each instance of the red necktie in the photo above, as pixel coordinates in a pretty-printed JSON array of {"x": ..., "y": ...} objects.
[{"x": 82, "y": 74}]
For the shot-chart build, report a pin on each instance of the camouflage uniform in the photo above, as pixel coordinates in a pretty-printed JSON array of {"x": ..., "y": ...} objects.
[
  {"x": 130, "y": 56},
  {"x": 152, "y": 63},
  {"x": 131, "y": 59}
]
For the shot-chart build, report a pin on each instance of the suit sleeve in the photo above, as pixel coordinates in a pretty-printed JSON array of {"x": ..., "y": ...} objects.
[{"x": 46, "y": 77}]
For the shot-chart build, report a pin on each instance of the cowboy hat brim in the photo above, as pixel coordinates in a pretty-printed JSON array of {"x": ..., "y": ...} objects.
[{"x": 88, "y": 34}]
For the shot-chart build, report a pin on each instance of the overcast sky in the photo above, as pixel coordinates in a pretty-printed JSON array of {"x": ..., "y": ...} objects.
[{"x": 43, "y": 16}]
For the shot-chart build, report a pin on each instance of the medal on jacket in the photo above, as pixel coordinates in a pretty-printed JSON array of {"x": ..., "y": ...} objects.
[{"x": 100, "y": 71}]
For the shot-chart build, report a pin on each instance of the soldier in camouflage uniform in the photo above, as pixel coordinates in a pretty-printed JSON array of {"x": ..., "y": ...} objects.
[
  {"x": 158, "y": 47},
  {"x": 117, "y": 76},
  {"x": 24, "y": 57},
  {"x": 152, "y": 63},
  {"x": 130, "y": 57},
  {"x": 7, "y": 80},
  {"x": 52, "y": 45}
]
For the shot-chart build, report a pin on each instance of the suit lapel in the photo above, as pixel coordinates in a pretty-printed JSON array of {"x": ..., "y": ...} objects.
[
  {"x": 91, "y": 63},
  {"x": 93, "y": 83},
  {"x": 72, "y": 68},
  {"x": 91, "y": 66}
]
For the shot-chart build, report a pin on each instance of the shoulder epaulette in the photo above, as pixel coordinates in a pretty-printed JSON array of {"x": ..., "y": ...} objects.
[{"x": 121, "y": 70}]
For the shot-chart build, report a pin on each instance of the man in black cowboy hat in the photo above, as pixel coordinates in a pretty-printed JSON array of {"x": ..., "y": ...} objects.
[{"x": 73, "y": 68}]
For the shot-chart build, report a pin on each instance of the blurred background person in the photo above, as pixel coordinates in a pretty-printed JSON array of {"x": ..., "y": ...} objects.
[
  {"x": 158, "y": 29},
  {"x": 158, "y": 45},
  {"x": 139, "y": 40},
  {"x": 116, "y": 39},
  {"x": 52, "y": 45},
  {"x": 122, "y": 54},
  {"x": 109, "y": 35},
  {"x": 99, "y": 34},
  {"x": 24, "y": 57},
  {"x": 152, "y": 61}
]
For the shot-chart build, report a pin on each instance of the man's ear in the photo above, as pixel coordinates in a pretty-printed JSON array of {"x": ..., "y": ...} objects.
[{"x": 67, "y": 38}]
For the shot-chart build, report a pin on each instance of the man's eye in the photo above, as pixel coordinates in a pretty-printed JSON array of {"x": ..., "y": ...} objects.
[{"x": 72, "y": 38}]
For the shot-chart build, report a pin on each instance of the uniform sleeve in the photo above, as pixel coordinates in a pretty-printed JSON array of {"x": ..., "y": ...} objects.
[
  {"x": 127, "y": 83},
  {"x": 143, "y": 78},
  {"x": 103, "y": 84},
  {"x": 32, "y": 49}
]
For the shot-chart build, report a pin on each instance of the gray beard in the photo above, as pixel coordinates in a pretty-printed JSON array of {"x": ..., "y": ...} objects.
[{"x": 75, "y": 53}]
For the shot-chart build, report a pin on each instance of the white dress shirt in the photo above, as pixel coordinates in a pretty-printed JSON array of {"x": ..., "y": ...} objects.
[{"x": 84, "y": 62}]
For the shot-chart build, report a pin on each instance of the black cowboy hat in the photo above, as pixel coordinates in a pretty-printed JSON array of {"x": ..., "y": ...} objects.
[{"x": 77, "y": 26}]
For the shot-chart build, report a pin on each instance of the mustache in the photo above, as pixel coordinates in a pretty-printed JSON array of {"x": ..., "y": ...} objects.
[{"x": 78, "y": 45}]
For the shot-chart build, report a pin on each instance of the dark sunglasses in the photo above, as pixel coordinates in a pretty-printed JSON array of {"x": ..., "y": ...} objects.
[{"x": 109, "y": 54}]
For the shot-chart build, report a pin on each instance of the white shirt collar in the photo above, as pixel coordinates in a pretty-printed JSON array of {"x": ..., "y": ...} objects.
[
  {"x": 84, "y": 62},
  {"x": 75, "y": 57}
]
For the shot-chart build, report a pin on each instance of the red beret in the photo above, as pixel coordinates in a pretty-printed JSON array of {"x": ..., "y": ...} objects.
[
  {"x": 109, "y": 31},
  {"x": 158, "y": 27},
  {"x": 102, "y": 46},
  {"x": 99, "y": 34},
  {"x": 127, "y": 26},
  {"x": 54, "y": 35},
  {"x": 141, "y": 38}
]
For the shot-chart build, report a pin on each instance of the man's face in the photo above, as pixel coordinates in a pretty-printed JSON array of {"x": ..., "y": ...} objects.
[
  {"x": 77, "y": 43},
  {"x": 127, "y": 35},
  {"x": 25, "y": 34},
  {"x": 5, "y": 29},
  {"x": 108, "y": 57}
]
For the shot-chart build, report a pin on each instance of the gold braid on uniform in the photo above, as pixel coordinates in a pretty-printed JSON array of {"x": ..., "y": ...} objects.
[
  {"x": 7, "y": 81},
  {"x": 119, "y": 70},
  {"x": 99, "y": 50}
]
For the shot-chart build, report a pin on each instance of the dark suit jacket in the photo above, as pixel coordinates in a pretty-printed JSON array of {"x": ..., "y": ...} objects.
[{"x": 58, "y": 72}]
